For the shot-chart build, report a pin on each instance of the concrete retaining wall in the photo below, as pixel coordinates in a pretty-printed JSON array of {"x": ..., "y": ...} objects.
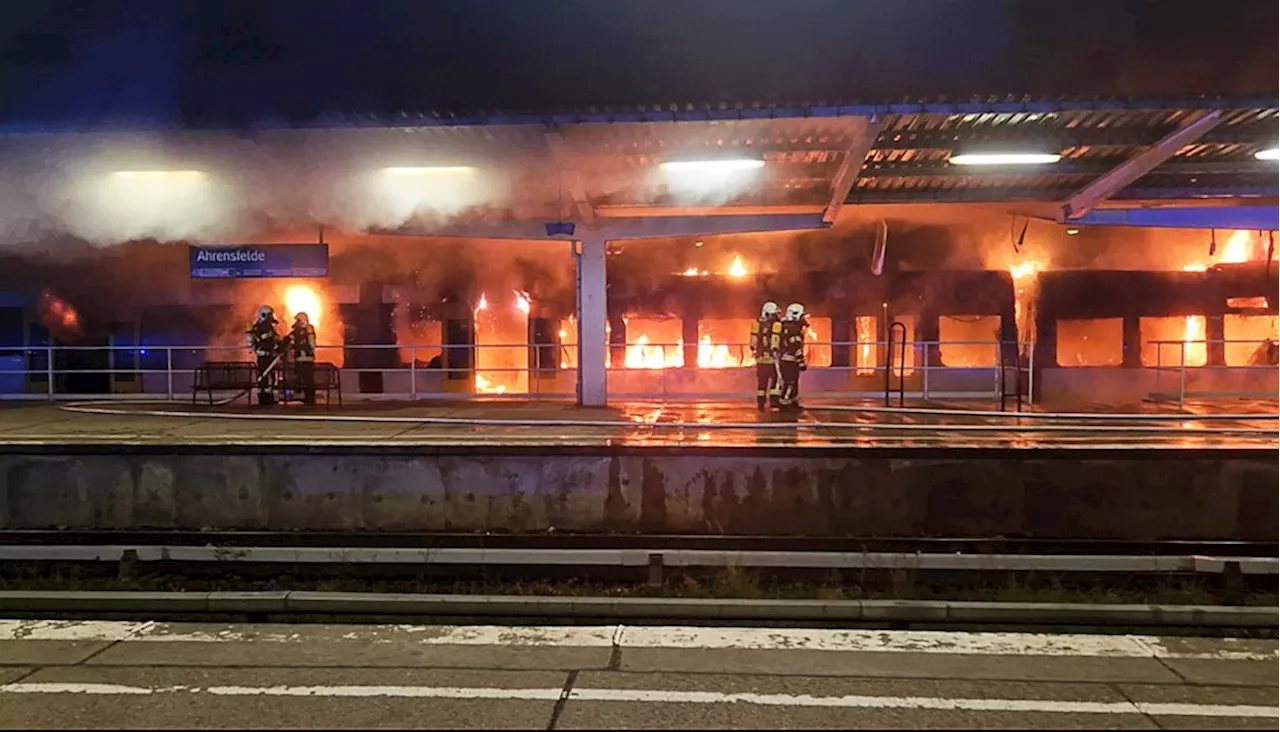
[{"x": 1123, "y": 495}]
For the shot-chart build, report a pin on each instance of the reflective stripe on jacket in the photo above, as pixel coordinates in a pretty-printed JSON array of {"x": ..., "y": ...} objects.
[
  {"x": 304, "y": 342},
  {"x": 792, "y": 341},
  {"x": 766, "y": 338}
]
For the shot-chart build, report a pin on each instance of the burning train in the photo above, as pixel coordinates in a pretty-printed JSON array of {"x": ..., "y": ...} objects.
[{"x": 403, "y": 325}]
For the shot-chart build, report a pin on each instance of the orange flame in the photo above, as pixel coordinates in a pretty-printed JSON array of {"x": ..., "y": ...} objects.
[
  {"x": 654, "y": 343},
  {"x": 1025, "y": 292},
  {"x": 1026, "y": 269},
  {"x": 866, "y": 327},
  {"x": 312, "y": 300},
  {"x": 502, "y": 358},
  {"x": 737, "y": 269},
  {"x": 1194, "y": 350},
  {"x": 303, "y": 299},
  {"x": 1239, "y": 248},
  {"x": 59, "y": 315}
]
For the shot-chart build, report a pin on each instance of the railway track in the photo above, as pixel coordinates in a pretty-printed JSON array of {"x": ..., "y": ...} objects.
[{"x": 654, "y": 542}]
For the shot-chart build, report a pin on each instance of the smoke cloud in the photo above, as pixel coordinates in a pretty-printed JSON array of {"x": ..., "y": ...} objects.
[
  {"x": 91, "y": 219},
  {"x": 107, "y": 189}
]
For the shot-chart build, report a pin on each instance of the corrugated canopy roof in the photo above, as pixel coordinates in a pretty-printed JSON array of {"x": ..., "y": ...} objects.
[{"x": 611, "y": 158}]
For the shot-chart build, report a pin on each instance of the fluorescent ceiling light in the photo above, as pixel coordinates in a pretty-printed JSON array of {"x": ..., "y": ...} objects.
[
  {"x": 685, "y": 166},
  {"x": 157, "y": 174},
  {"x": 1005, "y": 159},
  {"x": 1272, "y": 153},
  {"x": 430, "y": 170}
]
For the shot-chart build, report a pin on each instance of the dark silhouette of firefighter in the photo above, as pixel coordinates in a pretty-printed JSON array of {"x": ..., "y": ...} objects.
[
  {"x": 791, "y": 355},
  {"x": 264, "y": 341},
  {"x": 302, "y": 341},
  {"x": 766, "y": 338}
]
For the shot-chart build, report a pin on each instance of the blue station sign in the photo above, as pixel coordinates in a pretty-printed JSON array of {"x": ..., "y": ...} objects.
[{"x": 259, "y": 261}]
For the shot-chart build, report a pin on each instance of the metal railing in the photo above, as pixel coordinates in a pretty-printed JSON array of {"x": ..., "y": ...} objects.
[
  {"x": 1213, "y": 380},
  {"x": 896, "y": 327},
  {"x": 1013, "y": 357},
  {"x": 424, "y": 371}
]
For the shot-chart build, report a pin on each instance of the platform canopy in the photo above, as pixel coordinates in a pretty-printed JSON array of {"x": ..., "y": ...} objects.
[
  {"x": 876, "y": 153},
  {"x": 811, "y": 159}
]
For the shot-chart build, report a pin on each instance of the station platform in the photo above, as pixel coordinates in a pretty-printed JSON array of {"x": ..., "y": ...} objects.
[
  {"x": 157, "y": 675},
  {"x": 1198, "y": 472},
  {"x": 823, "y": 423}
]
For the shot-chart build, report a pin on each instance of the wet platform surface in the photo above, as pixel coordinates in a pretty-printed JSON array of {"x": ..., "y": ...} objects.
[{"x": 640, "y": 423}]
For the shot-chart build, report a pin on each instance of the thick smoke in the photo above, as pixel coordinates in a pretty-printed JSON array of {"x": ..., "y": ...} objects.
[
  {"x": 73, "y": 226},
  {"x": 111, "y": 188}
]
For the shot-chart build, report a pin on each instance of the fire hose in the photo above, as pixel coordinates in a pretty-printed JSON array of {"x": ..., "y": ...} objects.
[{"x": 270, "y": 369}]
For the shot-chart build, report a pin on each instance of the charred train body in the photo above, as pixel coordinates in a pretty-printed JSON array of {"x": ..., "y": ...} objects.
[{"x": 1101, "y": 335}]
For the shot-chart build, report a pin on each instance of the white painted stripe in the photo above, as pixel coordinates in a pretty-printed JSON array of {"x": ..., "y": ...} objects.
[
  {"x": 939, "y": 642},
  {"x": 865, "y": 702},
  {"x": 92, "y": 689},
  {"x": 1206, "y": 710},
  {"x": 670, "y": 637},
  {"x": 470, "y": 635},
  {"x": 918, "y": 702},
  {"x": 72, "y": 630},
  {"x": 647, "y": 696},
  {"x": 391, "y": 691}
]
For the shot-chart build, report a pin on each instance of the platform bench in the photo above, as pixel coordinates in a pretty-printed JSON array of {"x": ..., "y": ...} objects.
[
  {"x": 328, "y": 380},
  {"x": 224, "y": 376}
]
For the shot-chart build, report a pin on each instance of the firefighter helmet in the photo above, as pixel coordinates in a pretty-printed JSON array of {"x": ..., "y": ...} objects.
[
  {"x": 266, "y": 312},
  {"x": 795, "y": 311},
  {"x": 769, "y": 310},
  {"x": 302, "y": 318}
]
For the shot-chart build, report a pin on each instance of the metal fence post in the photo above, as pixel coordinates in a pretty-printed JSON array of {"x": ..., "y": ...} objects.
[
  {"x": 413, "y": 373},
  {"x": 999, "y": 374},
  {"x": 1031, "y": 372},
  {"x": 48, "y": 367},
  {"x": 168, "y": 368},
  {"x": 1182, "y": 377}
]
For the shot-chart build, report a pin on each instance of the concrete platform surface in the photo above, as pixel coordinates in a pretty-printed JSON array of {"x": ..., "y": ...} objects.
[
  {"x": 717, "y": 468},
  {"x": 700, "y": 424},
  {"x": 104, "y": 675}
]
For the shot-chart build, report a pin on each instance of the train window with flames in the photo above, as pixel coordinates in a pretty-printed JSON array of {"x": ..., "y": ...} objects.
[
  {"x": 1171, "y": 341},
  {"x": 864, "y": 345},
  {"x": 502, "y": 344},
  {"x": 1091, "y": 342},
  {"x": 567, "y": 338},
  {"x": 1252, "y": 333},
  {"x": 968, "y": 341},
  {"x": 724, "y": 343},
  {"x": 420, "y": 339},
  {"x": 654, "y": 343},
  {"x": 818, "y": 351}
]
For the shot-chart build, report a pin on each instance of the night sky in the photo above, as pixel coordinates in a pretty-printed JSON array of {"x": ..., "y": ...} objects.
[{"x": 236, "y": 62}]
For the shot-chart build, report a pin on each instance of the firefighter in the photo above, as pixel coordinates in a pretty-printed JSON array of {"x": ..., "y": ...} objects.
[
  {"x": 766, "y": 334},
  {"x": 264, "y": 341},
  {"x": 302, "y": 339},
  {"x": 791, "y": 355}
]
